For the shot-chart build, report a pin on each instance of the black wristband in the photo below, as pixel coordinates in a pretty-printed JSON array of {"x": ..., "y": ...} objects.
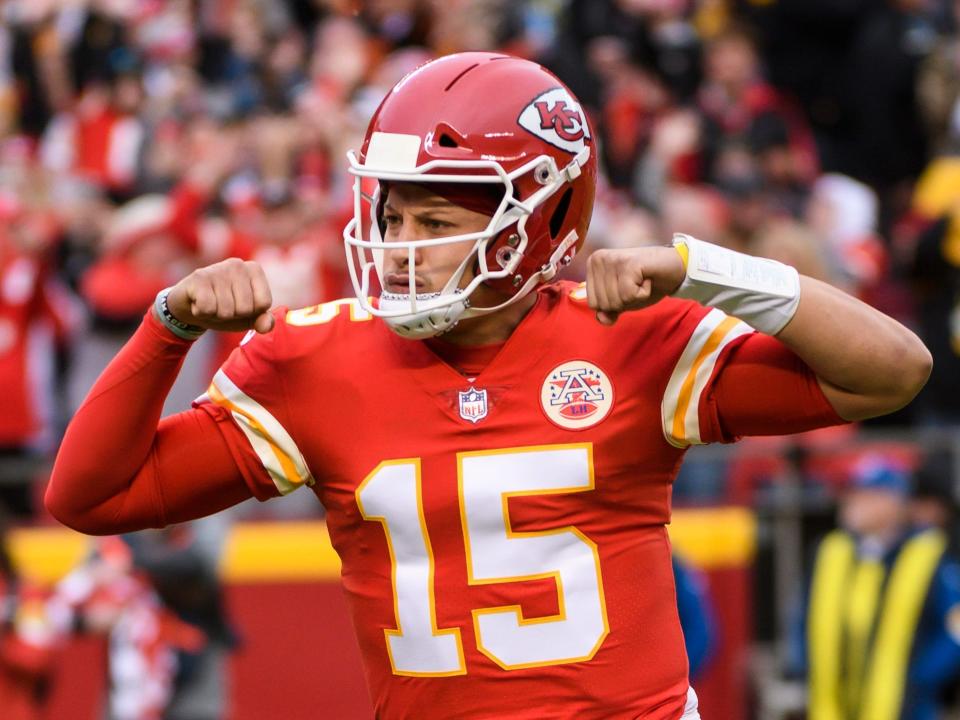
[{"x": 177, "y": 327}]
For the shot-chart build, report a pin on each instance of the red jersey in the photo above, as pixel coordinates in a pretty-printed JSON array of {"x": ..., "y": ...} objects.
[{"x": 503, "y": 537}]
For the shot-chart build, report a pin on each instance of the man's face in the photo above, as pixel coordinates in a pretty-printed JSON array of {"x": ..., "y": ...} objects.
[
  {"x": 869, "y": 511},
  {"x": 731, "y": 62},
  {"x": 280, "y": 225},
  {"x": 412, "y": 212}
]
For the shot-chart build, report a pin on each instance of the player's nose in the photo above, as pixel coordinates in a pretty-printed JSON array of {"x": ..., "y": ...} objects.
[{"x": 398, "y": 253}]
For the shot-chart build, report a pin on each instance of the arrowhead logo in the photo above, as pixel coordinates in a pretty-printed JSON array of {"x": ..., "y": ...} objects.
[
  {"x": 557, "y": 118},
  {"x": 576, "y": 395}
]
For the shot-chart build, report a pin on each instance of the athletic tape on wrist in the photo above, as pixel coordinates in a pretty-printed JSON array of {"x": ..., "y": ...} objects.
[
  {"x": 763, "y": 293},
  {"x": 177, "y": 327}
]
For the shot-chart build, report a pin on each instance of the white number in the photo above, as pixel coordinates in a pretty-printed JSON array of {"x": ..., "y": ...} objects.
[
  {"x": 496, "y": 553},
  {"x": 391, "y": 495}
]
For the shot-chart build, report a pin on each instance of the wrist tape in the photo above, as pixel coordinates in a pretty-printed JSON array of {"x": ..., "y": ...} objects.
[
  {"x": 177, "y": 327},
  {"x": 763, "y": 293}
]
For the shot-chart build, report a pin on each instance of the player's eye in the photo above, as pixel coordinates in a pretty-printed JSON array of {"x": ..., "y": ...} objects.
[
  {"x": 391, "y": 219},
  {"x": 433, "y": 224}
]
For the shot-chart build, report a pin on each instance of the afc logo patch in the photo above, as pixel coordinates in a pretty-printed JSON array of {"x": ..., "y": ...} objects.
[
  {"x": 557, "y": 118},
  {"x": 473, "y": 404},
  {"x": 576, "y": 395}
]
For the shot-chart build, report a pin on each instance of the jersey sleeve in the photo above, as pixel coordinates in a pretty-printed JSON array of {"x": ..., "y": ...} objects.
[
  {"x": 248, "y": 399},
  {"x": 731, "y": 381}
]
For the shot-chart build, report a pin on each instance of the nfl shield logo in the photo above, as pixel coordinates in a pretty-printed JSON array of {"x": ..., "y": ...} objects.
[{"x": 473, "y": 404}]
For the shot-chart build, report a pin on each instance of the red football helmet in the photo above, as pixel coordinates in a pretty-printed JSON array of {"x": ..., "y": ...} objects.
[{"x": 476, "y": 117}]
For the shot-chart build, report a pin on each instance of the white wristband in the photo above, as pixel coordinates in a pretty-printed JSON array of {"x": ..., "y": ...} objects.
[{"x": 763, "y": 293}]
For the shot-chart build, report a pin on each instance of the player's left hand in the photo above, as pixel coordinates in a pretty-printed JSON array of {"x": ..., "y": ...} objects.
[{"x": 630, "y": 279}]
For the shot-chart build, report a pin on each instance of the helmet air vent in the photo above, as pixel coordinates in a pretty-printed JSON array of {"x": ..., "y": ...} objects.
[
  {"x": 464, "y": 72},
  {"x": 560, "y": 214}
]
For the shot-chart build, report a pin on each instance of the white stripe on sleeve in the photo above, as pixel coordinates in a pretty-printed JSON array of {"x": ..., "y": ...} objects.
[
  {"x": 680, "y": 408},
  {"x": 278, "y": 452}
]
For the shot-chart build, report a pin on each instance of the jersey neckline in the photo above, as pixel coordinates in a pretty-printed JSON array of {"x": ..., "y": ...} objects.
[{"x": 528, "y": 342}]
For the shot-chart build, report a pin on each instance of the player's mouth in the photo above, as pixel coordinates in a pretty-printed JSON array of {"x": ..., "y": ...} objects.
[{"x": 399, "y": 284}]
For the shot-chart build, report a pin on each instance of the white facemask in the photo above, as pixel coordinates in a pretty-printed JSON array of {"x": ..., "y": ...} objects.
[{"x": 420, "y": 315}]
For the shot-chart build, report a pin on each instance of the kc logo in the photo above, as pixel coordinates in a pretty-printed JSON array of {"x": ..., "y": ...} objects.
[
  {"x": 557, "y": 118},
  {"x": 567, "y": 123}
]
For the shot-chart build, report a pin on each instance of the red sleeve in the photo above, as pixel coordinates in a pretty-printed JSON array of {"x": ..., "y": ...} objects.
[
  {"x": 255, "y": 476},
  {"x": 248, "y": 397},
  {"x": 761, "y": 387},
  {"x": 120, "y": 468}
]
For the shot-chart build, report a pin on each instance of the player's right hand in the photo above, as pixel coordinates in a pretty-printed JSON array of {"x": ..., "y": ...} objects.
[{"x": 230, "y": 295}]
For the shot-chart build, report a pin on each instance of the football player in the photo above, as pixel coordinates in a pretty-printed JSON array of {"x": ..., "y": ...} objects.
[{"x": 494, "y": 448}]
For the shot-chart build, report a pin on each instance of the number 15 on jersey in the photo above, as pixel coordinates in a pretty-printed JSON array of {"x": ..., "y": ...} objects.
[{"x": 392, "y": 495}]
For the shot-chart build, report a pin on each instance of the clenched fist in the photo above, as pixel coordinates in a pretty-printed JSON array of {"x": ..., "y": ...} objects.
[
  {"x": 230, "y": 295},
  {"x": 630, "y": 279}
]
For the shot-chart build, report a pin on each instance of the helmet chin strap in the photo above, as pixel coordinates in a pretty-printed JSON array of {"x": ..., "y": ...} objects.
[
  {"x": 431, "y": 321},
  {"x": 424, "y": 323}
]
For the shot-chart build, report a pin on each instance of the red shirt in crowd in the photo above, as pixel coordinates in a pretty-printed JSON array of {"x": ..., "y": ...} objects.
[{"x": 34, "y": 314}]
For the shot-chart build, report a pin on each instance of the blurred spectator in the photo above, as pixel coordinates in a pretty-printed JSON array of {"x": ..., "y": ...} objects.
[
  {"x": 932, "y": 239},
  {"x": 938, "y": 86},
  {"x": 26, "y": 641},
  {"x": 100, "y": 138},
  {"x": 108, "y": 594},
  {"x": 933, "y": 501},
  {"x": 879, "y": 634},
  {"x": 401, "y": 22},
  {"x": 798, "y": 245},
  {"x": 37, "y": 324},
  {"x": 153, "y": 238},
  {"x": 884, "y": 143},
  {"x": 844, "y": 214},
  {"x": 698, "y": 210},
  {"x": 140, "y": 256},
  {"x": 588, "y": 31},
  {"x": 737, "y": 175},
  {"x": 697, "y": 618},
  {"x": 935, "y": 273},
  {"x": 805, "y": 44},
  {"x": 477, "y": 25},
  {"x": 634, "y": 97},
  {"x": 181, "y": 563},
  {"x": 672, "y": 156},
  {"x": 933, "y": 504},
  {"x": 742, "y": 110},
  {"x": 670, "y": 44}
]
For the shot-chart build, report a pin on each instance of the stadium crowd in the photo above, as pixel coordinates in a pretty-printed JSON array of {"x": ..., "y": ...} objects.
[{"x": 142, "y": 138}]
